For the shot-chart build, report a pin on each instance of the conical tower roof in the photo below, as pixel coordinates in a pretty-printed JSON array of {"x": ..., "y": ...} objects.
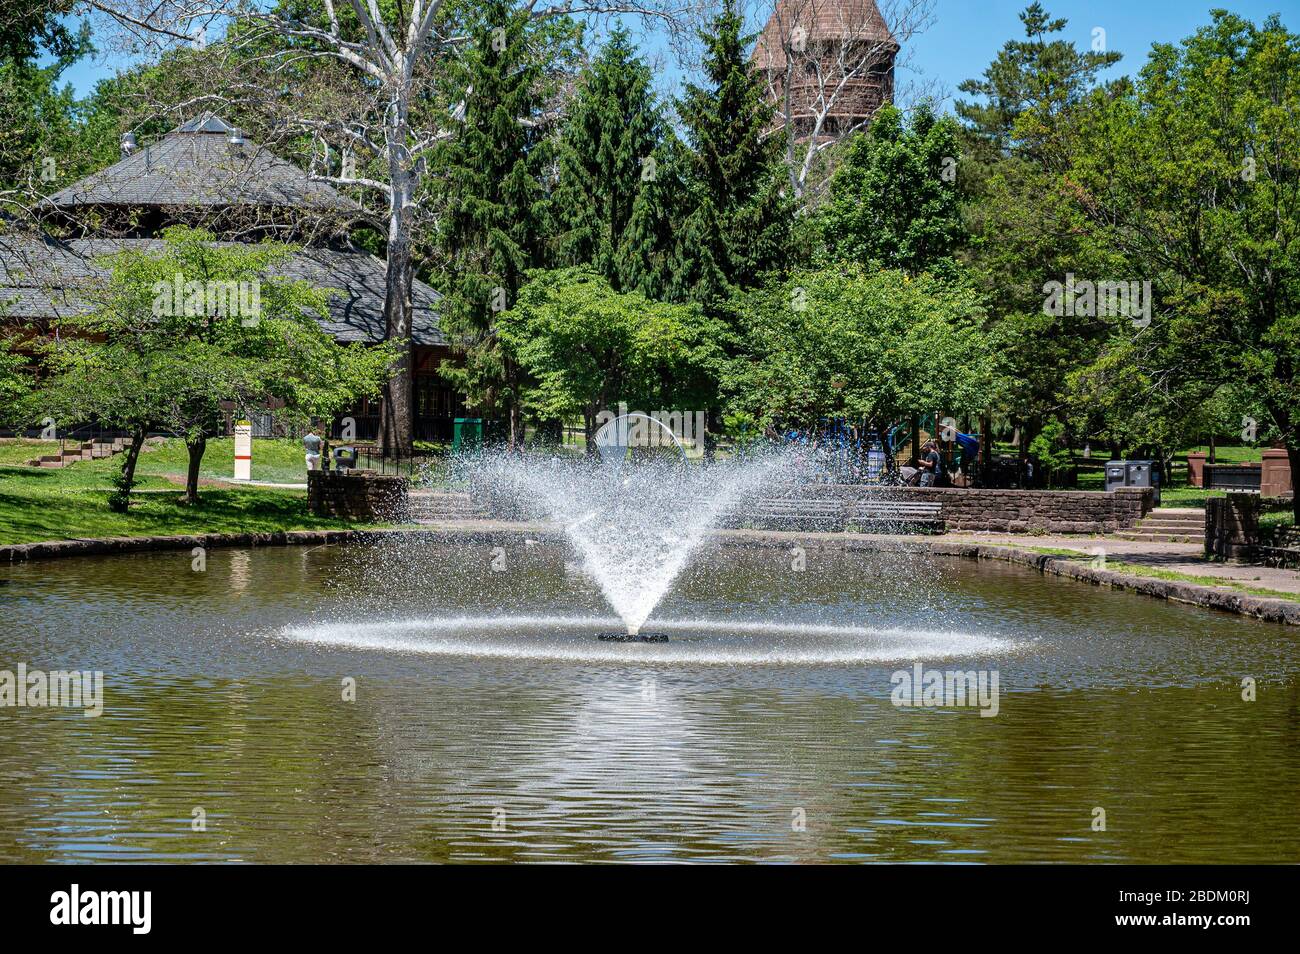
[{"x": 819, "y": 24}]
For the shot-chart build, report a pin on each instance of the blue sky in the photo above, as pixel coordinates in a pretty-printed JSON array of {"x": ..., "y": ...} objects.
[{"x": 968, "y": 33}]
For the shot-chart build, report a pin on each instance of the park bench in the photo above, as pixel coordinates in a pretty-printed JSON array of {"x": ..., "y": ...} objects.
[
  {"x": 794, "y": 513},
  {"x": 1278, "y": 556},
  {"x": 896, "y": 515}
]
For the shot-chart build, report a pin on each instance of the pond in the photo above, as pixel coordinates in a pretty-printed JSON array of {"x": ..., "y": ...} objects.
[{"x": 418, "y": 701}]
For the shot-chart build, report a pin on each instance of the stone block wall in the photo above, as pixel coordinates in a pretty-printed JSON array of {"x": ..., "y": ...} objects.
[
  {"x": 1023, "y": 511},
  {"x": 1006, "y": 511},
  {"x": 357, "y": 495},
  {"x": 1231, "y": 526}
]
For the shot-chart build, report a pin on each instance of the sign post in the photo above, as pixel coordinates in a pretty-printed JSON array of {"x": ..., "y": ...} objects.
[{"x": 243, "y": 451}]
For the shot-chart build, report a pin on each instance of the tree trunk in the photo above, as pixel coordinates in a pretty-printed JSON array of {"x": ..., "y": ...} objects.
[
  {"x": 515, "y": 411},
  {"x": 589, "y": 429},
  {"x": 396, "y": 411},
  {"x": 120, "y": 500},
  {"x": 196, "y": 447}
]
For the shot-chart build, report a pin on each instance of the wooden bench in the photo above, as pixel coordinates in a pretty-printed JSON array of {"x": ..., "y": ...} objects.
[
  {"x": 794, "y": 513},
  {"x": 896, "y": 515},
  {"x": 1278, "y": 556},
  {"x": 890, "y": 516}
]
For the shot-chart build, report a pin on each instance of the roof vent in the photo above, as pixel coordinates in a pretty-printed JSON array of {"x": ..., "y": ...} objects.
[{"x": 128, "y": 143}]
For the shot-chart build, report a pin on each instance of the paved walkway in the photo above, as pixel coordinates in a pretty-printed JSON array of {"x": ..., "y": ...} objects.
[{"x": 1175, "y": 557}]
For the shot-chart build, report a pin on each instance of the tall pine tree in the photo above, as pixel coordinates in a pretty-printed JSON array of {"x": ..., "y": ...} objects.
[
  {"x": 609, "y": 204},
  {"x": 740, "y": 222},
  {"x": 494, "y": 194}
]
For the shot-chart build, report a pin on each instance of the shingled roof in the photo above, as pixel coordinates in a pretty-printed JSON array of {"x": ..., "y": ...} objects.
[
  {"x": 197, "y": 166},
  {"x": 824, "y": 22},
  {"x": 40, "y": 279}
]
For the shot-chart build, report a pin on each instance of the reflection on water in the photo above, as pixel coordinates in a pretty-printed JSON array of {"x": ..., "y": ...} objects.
[{"x": 224, "y": 692}]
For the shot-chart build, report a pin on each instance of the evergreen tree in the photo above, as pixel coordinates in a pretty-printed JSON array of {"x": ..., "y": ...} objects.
[
  {"x": 740, "y": 224},
  {"x": 646, "y": 254},
  {"x": 609, "y": 156},
  {"x": 493, "y": 228},
  {"x": 1030, "y": 85}
]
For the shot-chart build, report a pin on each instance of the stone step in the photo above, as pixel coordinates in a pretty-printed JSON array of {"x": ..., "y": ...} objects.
[{"x": 1172, "y": 522}]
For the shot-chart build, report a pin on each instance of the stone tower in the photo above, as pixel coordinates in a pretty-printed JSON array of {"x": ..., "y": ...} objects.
[{"x": 834, "y": 59}]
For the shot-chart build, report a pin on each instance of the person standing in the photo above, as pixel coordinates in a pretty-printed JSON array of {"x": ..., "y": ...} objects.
[
  {"x": 312, "y": 445},
  {"x": 931, "y": 464}
]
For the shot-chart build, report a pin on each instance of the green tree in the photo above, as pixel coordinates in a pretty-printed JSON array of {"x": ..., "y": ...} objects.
[
  {"x": 844, "y": 342},
  {"x": 1194, "y": 175},
  {"x": 609, "y": 154},
  {"x": 178, "y": 336},
  {"x": 893, "y": 200},
  {"x": 740, "y": 221},
  {"x": 493, "y": 227},
  {"x": 1023, "y": 218},
  {"x": 587, "y": 347},
  {"x": 1031, "y": 86}
]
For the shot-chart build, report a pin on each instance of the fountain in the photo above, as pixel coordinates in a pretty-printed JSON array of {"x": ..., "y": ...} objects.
[{"x": 634, "y": 519}]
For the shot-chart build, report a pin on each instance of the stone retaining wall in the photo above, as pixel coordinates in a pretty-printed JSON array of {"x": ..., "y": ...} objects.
[
  {"x": 1022, "y": 511},
  {"x": 357, "y": 495},
  {"x": 998, "y": 511},
  {"x": 1003, "y": 511}
]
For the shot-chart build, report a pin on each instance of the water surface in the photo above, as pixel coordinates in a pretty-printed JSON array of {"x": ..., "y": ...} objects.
[{"x": 763, "y": 730}]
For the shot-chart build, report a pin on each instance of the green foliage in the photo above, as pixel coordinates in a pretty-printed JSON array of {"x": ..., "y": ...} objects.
[
  {"x": 496, "y": 208},
  {"x": 15, "y": 383},
  {"x": 1195, "y": 174},
  {"x": 740, "y": 220},
  {"x": 1026, "y": 224},
  {"x": 608, "y": 203},
  {"x": 893, "y": 200},
  {"x": 164, "y": 348},
  {"x": 588, "y": 347},
  {"x": 1031, "y": 87},
  {"x": 843, "y": 341}
]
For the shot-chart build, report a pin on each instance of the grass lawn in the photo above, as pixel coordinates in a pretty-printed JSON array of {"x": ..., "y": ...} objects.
[
  {"x": 279, "y": 461},
  {"x": 1139, "y": 569},
  {"x": 56, "y": 504}
]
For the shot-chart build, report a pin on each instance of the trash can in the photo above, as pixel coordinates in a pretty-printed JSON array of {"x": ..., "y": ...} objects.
[
  {"x": 1144, "y": 473},
  {"x": 466, "y": 432},
  {"x": 1116, "y": 475},
  {"x": 345, "y": 458},
  {"x": 1133, "y": 473}
]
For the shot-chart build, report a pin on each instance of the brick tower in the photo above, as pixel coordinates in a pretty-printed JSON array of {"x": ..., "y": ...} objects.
[{"x": 833, "y": 58}]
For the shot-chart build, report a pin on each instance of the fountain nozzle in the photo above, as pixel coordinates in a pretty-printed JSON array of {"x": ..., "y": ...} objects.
[{"x": 633, "y": 631}]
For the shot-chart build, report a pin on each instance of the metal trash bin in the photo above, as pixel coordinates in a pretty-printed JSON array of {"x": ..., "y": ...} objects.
[
  {"x": 345, "y": 458},
  {"x": 1116, "y": 475},
  {"x": 1133, "y": 473}
]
